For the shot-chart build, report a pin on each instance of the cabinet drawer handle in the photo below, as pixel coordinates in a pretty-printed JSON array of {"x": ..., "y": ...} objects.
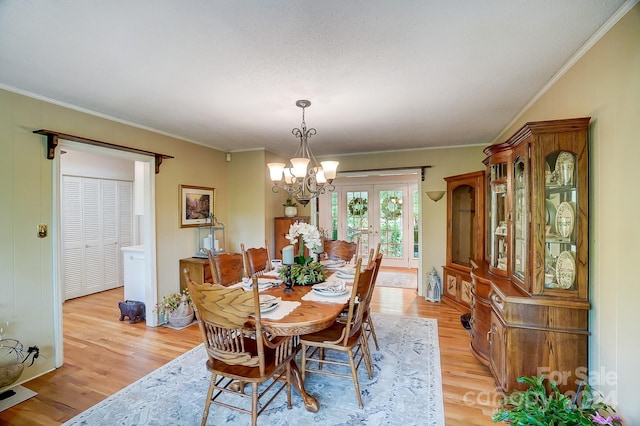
[{"x": 489, "y": 336}]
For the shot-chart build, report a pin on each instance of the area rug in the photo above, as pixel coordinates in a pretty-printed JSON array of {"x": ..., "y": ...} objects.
[
  {"x": 406, "y": 389},
  {"x": 397, "y": 279}
]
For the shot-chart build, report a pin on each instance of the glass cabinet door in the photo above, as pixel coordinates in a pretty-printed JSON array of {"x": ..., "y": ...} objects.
[
  {"x": 498, "y": 229},
  {"x": 561, "y": 198},
  {"x": 463, "y": 202},
  {"x": 520, "y": 217}
]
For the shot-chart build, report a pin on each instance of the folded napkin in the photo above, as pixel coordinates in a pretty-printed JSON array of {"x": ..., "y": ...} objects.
[
  {"x": 329, "y": 263},
  {"x": 263, "y": 283},
  {"x": 267, "y": 301},
  {"x": 336, "y": 286}
]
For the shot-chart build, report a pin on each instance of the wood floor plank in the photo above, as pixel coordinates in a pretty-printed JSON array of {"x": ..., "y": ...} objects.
[{"x": 103, "y": 355}]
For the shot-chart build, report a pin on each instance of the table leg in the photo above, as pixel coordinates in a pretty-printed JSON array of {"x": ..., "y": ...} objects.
[{"x": 310, "y": 403}]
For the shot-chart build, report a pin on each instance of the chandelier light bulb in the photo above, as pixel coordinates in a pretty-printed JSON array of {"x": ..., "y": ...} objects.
[{"x": 275, "y": 171}]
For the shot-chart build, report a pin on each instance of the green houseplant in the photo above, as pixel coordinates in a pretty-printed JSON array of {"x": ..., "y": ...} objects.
[{"x": 540, "y": 407}]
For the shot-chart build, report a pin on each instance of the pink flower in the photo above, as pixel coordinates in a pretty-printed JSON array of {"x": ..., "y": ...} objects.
[{"x": 598, "y": 419}]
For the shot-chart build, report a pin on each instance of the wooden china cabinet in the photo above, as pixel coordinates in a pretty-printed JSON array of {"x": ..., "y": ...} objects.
[
  {"x": 530, "y": 296},
  {"x": 465, "y": 236}
]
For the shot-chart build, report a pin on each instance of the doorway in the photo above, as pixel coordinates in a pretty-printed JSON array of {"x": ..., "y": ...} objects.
[
  {"x": 376, "y": 209},
  {"x": 147, "y": 230}
]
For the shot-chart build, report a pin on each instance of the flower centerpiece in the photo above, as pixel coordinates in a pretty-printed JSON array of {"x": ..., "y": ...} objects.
[
  {"x": 305, "y": 271},
  {"x": 176, "y": 308}
]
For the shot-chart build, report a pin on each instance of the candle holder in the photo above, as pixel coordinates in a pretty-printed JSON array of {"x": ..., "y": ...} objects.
[{"x": 287, "y": 279}]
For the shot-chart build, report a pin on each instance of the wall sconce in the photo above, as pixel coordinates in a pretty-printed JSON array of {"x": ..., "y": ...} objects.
[{"x": 435, "y": 195}]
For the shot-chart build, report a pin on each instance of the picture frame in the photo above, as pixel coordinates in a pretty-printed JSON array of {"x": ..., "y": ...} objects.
[{"x": 197, "y": 204}]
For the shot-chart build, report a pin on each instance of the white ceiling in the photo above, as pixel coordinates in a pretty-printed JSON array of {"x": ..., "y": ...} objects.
[{"x": 381, "y": 74}]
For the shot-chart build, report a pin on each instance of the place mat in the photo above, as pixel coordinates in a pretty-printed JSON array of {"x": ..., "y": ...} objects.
[
  {"x": 284, "y": 308},
  {"x": 312, "y": 296}
]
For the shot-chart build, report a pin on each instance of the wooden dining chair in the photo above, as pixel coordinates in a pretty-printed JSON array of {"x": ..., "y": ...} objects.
[
  {"x": 367, "y": 321},
  {"x": 340, "y": 250},
  {"x": 343, "y": 336},
  {"x": 257, "y": 260},
  {"x": 238, "y": 354},
  {"x": 226, "y": 268}
]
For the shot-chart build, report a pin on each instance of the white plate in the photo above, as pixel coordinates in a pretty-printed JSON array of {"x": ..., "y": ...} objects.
[
  {"x": 565, "y": 219},
  {"x": 330, "y": 293},
  {"x": 565, "y": 270}
]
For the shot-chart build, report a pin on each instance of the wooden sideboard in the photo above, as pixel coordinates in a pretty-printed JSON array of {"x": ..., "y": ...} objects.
[{"x": 199, "y": 270}]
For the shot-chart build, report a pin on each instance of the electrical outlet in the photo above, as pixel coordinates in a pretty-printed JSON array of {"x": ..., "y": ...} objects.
[{"x": 42, "y": 230}]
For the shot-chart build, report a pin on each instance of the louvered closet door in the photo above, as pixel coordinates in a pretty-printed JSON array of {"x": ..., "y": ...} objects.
[
  {"x": 72, "y": 246},
  {"x": 97, "y": 220},
  {"x": 92, "y": 233},
  {"x": 110, "y": 249}
]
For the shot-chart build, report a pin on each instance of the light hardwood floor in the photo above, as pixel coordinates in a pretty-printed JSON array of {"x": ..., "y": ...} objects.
[{"x": 103, "y": 355}]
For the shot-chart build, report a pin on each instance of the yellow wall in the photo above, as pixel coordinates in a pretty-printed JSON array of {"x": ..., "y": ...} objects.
[
  {"x": 247, "y": 200},
  {"x": 26, "y": 289},
  {"x": 605, "y": 85}
]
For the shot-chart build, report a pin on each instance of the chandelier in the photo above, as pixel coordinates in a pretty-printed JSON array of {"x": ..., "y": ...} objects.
[{"x": 303, "y": 179}]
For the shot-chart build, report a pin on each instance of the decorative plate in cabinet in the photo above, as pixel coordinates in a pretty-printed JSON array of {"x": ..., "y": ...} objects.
[
  {"x": 565, "y": 270},
  {"x": 565, "y": 219}
]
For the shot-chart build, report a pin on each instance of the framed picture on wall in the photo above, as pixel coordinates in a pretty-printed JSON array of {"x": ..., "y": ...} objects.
[{"x": 196, "y": 205}]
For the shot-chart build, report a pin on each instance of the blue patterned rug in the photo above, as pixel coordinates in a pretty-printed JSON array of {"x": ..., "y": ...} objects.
[{"x": 406, "y": 389}]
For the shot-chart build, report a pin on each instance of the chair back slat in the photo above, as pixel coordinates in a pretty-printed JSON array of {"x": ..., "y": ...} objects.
[
  {"x": 257, "y": 260},
  {"x": 359, "y": 300},
  {"x": 340, "y": 250},
  {"x": 227, "y": 268}
]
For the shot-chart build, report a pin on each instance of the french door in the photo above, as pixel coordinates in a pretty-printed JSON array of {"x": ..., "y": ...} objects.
[{"x": 381, "y": 213}]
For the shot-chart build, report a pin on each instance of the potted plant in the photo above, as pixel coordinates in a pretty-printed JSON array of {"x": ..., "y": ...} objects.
[
  {"x": 538, "y": 406},
  {"x": 176, "y": 309},
  {"x": 290, "y": 208},
  {"x": 13, "y": 357}
]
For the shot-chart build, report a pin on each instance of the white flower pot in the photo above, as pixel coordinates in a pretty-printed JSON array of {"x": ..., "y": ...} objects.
[{"x": 290, "y": 211}]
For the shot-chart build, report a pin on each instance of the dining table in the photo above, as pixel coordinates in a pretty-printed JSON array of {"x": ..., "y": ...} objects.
[{"x": 308, "y": 313}]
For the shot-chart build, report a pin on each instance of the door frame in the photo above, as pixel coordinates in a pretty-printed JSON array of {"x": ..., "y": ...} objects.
[{"x": 148, "y": 230}]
